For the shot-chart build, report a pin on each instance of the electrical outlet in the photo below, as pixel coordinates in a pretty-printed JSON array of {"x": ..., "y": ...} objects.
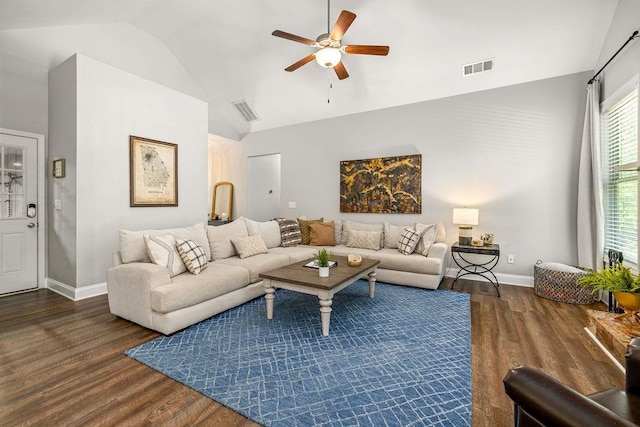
[{"x": 511, "y": 259}]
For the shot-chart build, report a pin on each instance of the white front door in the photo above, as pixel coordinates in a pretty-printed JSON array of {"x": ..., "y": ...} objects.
[
  {"x": 263, "y": 187},
  {"x": 18, "y": 213}
]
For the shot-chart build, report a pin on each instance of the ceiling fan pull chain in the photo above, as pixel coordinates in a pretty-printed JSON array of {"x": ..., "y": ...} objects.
[{"x": 330, "y": 87}]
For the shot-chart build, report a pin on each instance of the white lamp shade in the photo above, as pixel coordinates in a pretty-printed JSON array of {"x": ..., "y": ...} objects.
[
  {"x": 465, "y": 216},
  {"x": 328, "y": 57}
]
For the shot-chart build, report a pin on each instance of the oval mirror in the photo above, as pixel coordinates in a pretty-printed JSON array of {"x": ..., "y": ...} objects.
[{"x": 222, "y": 201}]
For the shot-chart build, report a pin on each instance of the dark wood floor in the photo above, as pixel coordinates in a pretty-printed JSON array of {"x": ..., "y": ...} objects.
[{"x": 62, "y": 362}]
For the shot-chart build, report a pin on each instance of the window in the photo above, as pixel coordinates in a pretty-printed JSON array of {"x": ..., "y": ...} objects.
[{"x": 619, "y": 135}]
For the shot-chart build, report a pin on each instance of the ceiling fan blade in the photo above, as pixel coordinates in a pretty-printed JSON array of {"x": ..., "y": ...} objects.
[
  {"x": 361, "y": 49},
  {"x": 300, "y": 63},
  {"x": 293, "y": 37},
  {"x": 342, "y": 24},
  {"x": 341, "y": 72}
]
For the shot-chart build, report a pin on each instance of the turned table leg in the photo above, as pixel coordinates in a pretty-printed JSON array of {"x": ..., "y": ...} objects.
[
  {"x": 325, "y": 315},
  {"x": 372, "y": 284},
  {"x": 270, "y": 295}
]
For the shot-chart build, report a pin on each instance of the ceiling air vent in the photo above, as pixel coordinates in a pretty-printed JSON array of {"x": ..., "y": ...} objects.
[
  {"x": 245, "y": 111},
  {"x": 477, "y": 67}
]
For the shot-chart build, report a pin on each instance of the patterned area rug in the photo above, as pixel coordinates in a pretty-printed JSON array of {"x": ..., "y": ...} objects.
[{"x": 400, "y": 359}]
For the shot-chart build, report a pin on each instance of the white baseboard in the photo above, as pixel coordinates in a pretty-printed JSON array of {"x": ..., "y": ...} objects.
[
  {"x": 76, "y": 294},
  {"x": 503, "y": 278}
]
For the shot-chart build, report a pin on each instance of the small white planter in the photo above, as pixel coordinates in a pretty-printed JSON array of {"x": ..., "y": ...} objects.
[{"x": 323, "y": 271}]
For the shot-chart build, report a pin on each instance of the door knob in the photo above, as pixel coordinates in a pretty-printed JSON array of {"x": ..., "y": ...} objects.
[{"x": 31, "y": 225}]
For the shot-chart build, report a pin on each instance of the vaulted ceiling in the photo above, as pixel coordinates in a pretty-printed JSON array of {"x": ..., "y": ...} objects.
[{"x": 226, "y": 48}]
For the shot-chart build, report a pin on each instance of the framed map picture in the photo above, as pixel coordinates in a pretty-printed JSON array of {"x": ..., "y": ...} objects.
[{"x": 153, "y": 172}]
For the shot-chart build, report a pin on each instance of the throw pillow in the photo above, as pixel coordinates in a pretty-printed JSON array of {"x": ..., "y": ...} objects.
[
  {"x": 249, "y": 246},
  {"x": 428, "y": 233},
  {"x": 305, "y": 231},
  {"x": 220, "y": 238},
  {"x": 364, "y": 239},
  {"x": 192, "y": 255},
  {"x": 391, "y": 235},
  {"x": 408, "y": 241},
  {"x": 162, "y": 251},
  {"x": 348, "y": 226},
  {"x": 268, "y": 230},
  {"x": 322, "y": 234},
  {"x": 441, "y": 233},
  {"x": 289, "y": 232}
]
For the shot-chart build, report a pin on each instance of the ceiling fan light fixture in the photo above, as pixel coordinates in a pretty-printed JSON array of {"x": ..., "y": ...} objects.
[{"x": 328, "y": 57}]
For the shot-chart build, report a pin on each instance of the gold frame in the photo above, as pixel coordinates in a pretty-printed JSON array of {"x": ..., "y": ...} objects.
[
  {"x": 213, "y": 201},
  {"x": 58, "y": 162},
  {"x": 156, "y": 186}
]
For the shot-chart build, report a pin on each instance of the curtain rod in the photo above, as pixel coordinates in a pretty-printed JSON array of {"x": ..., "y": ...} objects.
[{"x": 633, "y": 36}]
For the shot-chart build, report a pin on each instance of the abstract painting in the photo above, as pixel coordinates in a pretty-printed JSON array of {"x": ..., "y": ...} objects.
[{"x": 382, "y": 185}]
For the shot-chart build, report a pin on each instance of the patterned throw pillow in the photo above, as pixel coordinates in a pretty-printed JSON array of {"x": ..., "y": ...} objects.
[
  {"x": 322, "y": 234},
  {"x": 192, "y": 255},
  {"x": 162, "y": 251},
  {"x": 428, "y": 233},
  {"x": 289, "y": 232},
  {"x": 408, "y": 241},
  {"x": 364, "y": 239},
  {"x": 305, "y": 231},
  {"x": 249, "y": 246}
]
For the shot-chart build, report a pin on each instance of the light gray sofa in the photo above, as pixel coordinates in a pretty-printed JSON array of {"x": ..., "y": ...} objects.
[{"x": 144, "y": 292}]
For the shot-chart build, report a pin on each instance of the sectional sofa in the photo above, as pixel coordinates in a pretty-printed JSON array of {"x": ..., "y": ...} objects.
[{"x": 147, "y": 288}]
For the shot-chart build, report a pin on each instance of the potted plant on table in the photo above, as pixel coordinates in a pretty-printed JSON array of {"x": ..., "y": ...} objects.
[
  {"x": 323, "y": 258},
  {"x": 620, "y": 281}
]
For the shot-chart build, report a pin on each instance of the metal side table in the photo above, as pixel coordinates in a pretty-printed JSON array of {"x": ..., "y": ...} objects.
[{"x": 468, "y": 266}]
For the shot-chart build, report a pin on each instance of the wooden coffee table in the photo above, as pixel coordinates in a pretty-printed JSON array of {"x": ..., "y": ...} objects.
[{"x": 296, "y": 277}]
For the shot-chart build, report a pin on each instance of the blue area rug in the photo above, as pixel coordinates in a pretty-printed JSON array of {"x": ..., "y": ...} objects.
[{"x": 400, "y": 359}]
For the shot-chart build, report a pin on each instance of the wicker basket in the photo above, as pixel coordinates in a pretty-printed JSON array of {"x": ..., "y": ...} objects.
[{"x": 559, "y": 282}]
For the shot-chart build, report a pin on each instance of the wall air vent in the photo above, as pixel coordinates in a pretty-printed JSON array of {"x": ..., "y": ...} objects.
[
  {"x": 245, "y": 111},
  {"x": 477, "y": 67}
]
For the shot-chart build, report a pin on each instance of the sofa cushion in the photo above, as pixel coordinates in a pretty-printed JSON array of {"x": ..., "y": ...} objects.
[
  {"x": 428, "y": 236},
  {"x": 347, "y": 226},
  {"x": 133, "y": 248},
  {"x": 192, "y": 255},
  {"x": 337, "y": 223},
  {"x": 390, "y": 259},
  {"x": 257, "y": 264},
  {"x": 268, "y": 230},
  {"x": 305, "y": 231},
  {"x": 441, "y": 233},
  {"x": 364, "y": 239},
  {"x": 408, "y": 241},
  {"x": 296, "y": 253},
  {"x": 322, "y": 234},
  {"x": 162, "y": 251},
  {"x": 289, "y": 232},
  {"x": 392, "y": 235},
  {"x": 220, "y": 238},
  {"x": 249, "y": 246},
  {"x": 186, "y": 290}
]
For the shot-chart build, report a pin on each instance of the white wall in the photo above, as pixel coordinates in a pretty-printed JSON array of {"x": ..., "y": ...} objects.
[
  {"x": 112, "y": 105},
  {"x": 512, "y": 152}
]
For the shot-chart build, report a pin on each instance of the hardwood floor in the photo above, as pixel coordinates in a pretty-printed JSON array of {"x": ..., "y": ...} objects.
[{"x": 62, "y": 362}]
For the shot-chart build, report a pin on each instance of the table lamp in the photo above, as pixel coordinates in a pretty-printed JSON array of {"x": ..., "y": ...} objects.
[{"x": 465, "y": 217}]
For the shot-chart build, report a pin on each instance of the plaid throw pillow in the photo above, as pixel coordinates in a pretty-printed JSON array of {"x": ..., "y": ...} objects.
[
  {"x": 289, "y": 232},
  {"x": 192, "y": 255},
  {"x": 408, "y": 241}
]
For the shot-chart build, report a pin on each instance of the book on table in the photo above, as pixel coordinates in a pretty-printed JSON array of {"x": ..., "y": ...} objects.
[{"x": 314, "y": 264}]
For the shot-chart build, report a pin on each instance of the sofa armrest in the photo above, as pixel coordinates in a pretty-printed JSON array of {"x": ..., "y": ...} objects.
[
  {"x": 129, "y": 289},
  {"x": 438, "y": 250},
  {"x": 633, "y": 367},
  {"x": 551, "y": 403}
]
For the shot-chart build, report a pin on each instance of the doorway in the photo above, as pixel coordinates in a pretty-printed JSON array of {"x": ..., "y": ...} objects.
[
  {"x": 21, "y": 201},
  {"x": 263, "y": 187}
]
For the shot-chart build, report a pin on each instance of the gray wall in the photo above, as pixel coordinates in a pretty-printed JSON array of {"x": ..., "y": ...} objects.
[
  {"x": 512, "y": 152},
  {"x": 110, "y": 105},
  {"x": 627, "y": 63}
]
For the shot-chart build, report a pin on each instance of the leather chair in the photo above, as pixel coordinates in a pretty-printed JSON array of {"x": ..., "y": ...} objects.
[{"x": 540, "y": 400}]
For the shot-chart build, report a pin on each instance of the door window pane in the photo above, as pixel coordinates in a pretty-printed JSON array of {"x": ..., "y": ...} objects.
[
  {"x": 13, "y": 158},
  {"x": 11, "y": 182}
]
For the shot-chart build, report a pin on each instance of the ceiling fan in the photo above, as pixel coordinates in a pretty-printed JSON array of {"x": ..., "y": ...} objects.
[{"x": 329, "y": 45}]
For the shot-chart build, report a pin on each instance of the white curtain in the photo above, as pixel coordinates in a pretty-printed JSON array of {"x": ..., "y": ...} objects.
[{"x": 590, "y": 221}]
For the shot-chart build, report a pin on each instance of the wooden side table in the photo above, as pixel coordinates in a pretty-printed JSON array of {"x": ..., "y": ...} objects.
[{"x": 483, "y": 269}]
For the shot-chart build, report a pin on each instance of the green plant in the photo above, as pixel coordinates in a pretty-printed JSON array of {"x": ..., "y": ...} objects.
[
  {"x": 323, "y": 257},
  {"x": 617, "y": 279}
]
